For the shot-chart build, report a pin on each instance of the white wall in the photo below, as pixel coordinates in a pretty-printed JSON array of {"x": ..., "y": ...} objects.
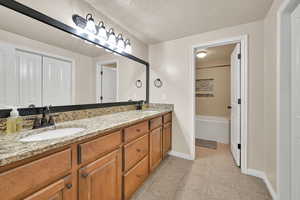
[
  {"x": 129, "y": 72},
  {"x": 171, "y": 61},
  {"x": 270, "y": 83},
  {"x": 84, "y": 92}
]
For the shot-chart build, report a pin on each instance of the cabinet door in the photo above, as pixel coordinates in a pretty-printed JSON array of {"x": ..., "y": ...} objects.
[
  {"x": 155, "y": 148},
  {"x": 102, "y": 179},
  {"x": 60, "y": 190},
  {"x": 30, "y": 78},
  {"x": 167, "y": 138},
  {"x": 57, "y": 82}
]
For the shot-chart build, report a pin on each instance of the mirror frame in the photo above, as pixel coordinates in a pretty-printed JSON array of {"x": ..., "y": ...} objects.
[{"x": 27, "y": 11}]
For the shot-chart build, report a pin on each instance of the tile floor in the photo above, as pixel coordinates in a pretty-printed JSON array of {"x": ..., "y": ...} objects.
[{"x": 212, "y": 176}]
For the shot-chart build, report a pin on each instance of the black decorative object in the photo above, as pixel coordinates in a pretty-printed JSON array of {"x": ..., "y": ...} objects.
[
  {"x": 158, "y": 83},
  {"x": 139, "y": 84}
]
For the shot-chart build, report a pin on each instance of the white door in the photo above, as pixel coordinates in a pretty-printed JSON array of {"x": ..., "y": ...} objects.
[
  {"x": 8, "y": 76},
  {"x": 107, "y": 89},
  {"x": 235, "y": 127},
  {"x": 30, "y": 78},
  {"x": 57, "y": 82},
  {"x": 295, "y": 109}
]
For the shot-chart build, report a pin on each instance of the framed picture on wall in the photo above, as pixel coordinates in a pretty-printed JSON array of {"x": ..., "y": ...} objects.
[{"x": 205, "y": 87}]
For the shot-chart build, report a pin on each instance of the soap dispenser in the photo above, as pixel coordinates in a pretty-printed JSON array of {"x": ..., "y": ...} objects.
[{"x": 14, "y": 122}]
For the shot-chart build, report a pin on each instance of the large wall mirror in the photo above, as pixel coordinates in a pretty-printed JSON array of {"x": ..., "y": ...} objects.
[{"x": 42, "y": 65}]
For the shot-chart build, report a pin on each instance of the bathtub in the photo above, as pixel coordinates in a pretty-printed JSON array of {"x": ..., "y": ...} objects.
[{"x": 213, "y": 128}]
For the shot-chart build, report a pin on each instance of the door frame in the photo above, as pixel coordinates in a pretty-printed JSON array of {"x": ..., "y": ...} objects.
[
  {"x": 243, "y": 40},
  {"x": 283, "y": 91},
  {"x": 98, "y": 71}
]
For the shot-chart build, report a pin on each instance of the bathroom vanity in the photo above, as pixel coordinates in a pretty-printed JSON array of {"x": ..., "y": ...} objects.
[{"x": 109, "y": 160}]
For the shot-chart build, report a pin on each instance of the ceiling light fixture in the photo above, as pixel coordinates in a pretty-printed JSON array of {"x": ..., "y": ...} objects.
[
  {"x": 105, "y": 38},
  {"x": 201, "y": 54}
]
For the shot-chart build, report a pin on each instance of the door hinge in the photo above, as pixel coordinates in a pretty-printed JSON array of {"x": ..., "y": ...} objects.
[
  {"x": 239, "y": 56},
  {"x": 239, "y": 146},
  {"x": 101, "y": 98},
  {"x": 239, "y": 101},
  {"x": 101, "y": 73}
]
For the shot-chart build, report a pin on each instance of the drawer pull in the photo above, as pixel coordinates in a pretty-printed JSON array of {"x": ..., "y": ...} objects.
[
  {"x": 139, "y": 176},
  {"x": 138, "y": 150},
  {"x": 84, "y": 175},
  {"x": 138, "y": 130},
  {"x": 69, "y": 186}
]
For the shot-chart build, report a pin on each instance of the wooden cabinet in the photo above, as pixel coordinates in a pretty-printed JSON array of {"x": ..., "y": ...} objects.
[
  {"x": 60, "y": 190},
  {"x": 135, "y": 177},
  {"x": 135, "y": 151},
  {"x": 21, "y": 181},
  {"x": 109, "y": 167},
  {"x": 167, "y": 138},
  {"x": 102, "y": 179},
  {"x": 155, "y": 148}
]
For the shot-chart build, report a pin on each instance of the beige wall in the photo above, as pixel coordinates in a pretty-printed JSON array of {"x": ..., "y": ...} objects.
[
  {"x": 270, "y": 83},
  {"x": 217, "y": 105},
  {"x": 171, "y": 61}
]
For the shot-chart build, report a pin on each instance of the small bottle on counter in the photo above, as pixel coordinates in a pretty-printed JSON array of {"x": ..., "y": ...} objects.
[{"x": 14, "y": 122}]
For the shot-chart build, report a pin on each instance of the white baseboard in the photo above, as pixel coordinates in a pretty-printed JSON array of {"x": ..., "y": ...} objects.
[
  {"x": 181, "y": 155},
  {"x": 262, "y": 175}
]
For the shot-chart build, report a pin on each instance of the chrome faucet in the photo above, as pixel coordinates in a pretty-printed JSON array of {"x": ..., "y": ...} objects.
[{"x": 46, "y": 120}]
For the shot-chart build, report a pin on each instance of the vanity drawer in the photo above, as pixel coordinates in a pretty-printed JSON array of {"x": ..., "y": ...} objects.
[
  {"x": 21, "y": 181},
  {"x": 167, "y": 118},
  {"x": 97, "y": 147},
  {"x": 135, "y": 131},
  {"x": 155, "y": 123},
  {"x": 135, "y": 177},
  {"x": 135, "y": 151}
]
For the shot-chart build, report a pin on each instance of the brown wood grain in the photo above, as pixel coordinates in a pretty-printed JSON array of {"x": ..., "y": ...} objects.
[
  {"x": 135, "y": 131},
  {"x": 155, "y": 123},
  {"x": 155, "y": 148},
  {"x": 135, "y": 151},
  {"x": 167, "y": 139}
]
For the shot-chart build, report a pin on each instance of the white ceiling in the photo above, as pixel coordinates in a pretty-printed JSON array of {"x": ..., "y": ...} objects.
[{"x": 154, "y": 21}]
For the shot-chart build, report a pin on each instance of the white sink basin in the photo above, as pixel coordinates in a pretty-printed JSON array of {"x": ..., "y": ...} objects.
[{"x": 52, "y": 134}]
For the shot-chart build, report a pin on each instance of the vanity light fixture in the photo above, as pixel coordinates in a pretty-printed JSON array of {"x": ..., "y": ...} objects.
[
  {"x": 128, "y": 48},
  {"x": 201, "y": 54},
  {"x": 105, "y": 38}
]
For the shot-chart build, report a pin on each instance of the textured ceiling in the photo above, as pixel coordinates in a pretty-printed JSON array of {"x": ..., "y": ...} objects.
[{"x": 154, "y": 21}]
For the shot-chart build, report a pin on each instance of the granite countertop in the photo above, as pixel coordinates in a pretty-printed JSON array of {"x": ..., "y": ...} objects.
[{"x": 12, "y": 149}]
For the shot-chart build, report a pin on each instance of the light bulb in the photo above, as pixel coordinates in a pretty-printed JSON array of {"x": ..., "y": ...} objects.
[
  {"x": 90, "y": 24},
  {"x": 102, "y": 34},
  {"x": 201, "y": 54},
  {"x": 120, "y": 43},
  {"x": 128, "y": 47},
  {"x": 112, "y": 40}
]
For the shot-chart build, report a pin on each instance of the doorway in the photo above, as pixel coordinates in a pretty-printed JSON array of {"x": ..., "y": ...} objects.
[
  {"x": 107, "y": 82},
  {"x": 236, "y": 107}
]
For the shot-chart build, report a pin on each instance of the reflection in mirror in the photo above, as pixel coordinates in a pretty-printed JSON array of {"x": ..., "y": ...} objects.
[{"x": 41, "y": 65}]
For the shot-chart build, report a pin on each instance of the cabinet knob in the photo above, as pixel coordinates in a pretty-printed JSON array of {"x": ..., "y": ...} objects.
[
  {"x": 138, "y": 150},
  {"x": 69, "y": 185},
  {"x": 84, "y": 175},
  {"x": 139, "y": 176},
  {"x": 138, "y": 130}
]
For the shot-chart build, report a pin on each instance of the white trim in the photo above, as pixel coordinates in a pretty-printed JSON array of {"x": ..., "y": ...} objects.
[
  {"x": 98, "y": 65},
  {"x": 181, "y": 155},
  {"x": 263, "y": 176},
  {"x": 244, "y": 92},
  {"x": 283, "y": 98}
]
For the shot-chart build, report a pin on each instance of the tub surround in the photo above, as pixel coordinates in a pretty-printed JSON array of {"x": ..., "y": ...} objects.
[{"x": 12, "y": 150}]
